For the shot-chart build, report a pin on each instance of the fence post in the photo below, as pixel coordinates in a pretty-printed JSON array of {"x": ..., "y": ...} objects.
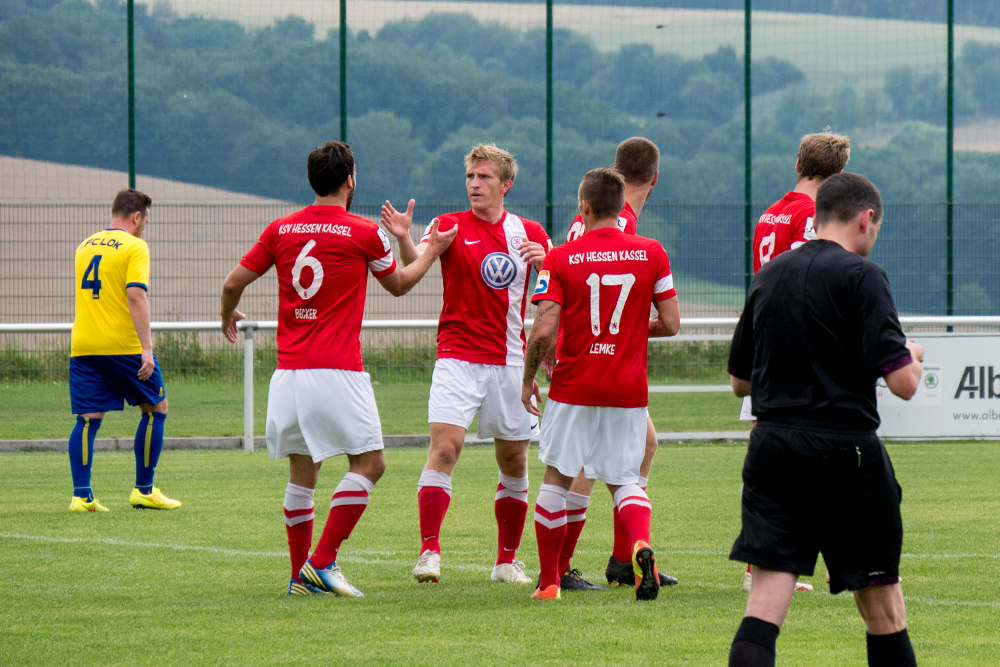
[
  {"x": 130, "y": 47},
  {"x": 343, "y": 70},
  {"x": 548, "y": 117},
  {"x": 950, "y": 169},
  {"x": 747, "y": 152},
  {"x": 248, "y": 386}
]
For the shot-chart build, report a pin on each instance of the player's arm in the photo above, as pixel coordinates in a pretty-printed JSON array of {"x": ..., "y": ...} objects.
[
  {"x": 544, "y": 332},
  {"x": 741, "y": 351},
  {"x": 138, "y": 308},
  {"x": 402, "y": 280},
  {"x": 237, "y": 281},
  {"x": 398, "y": 224},
  {"x": 903, "y": 381},
  {"x": 668, "y": 319}
]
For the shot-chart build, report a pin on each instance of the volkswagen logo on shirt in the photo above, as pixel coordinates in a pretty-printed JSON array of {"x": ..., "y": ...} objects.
[{"x": 498, "y": 270}]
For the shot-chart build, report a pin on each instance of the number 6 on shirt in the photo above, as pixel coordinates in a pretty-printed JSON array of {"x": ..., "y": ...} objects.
[
  {"x": 626, "y": 280},
  {"x": 302, "y": 261}
]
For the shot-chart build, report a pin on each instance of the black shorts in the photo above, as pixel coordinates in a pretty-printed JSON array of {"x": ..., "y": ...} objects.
[{"x": 812, "y": 491}]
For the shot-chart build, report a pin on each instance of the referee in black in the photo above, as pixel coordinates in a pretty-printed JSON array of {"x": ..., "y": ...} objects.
[{"x": 818, "y": 329}]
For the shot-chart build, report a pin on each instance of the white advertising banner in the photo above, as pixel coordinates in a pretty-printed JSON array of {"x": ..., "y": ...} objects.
[{"x": 958, "y": 394}]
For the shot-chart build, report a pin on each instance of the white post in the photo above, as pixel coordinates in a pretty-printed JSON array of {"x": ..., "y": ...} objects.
[{"x": 248, "y": 387}]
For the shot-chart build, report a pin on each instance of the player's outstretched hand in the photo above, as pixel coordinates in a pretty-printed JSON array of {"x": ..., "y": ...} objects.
[
  {"x": 397, "y": 224},
  {"x": 438, "y": 242},
  {"x": 229, "y": 325},
  {"x": 533, "y": 253},
  {"x": 527, "y": 393},
  {"x": 148, "y": 365}
]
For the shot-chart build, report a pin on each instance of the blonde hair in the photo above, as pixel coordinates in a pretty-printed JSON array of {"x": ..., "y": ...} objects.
[
  {"x": 823, "y": 154},
  {"x": 504, "y": 162}
]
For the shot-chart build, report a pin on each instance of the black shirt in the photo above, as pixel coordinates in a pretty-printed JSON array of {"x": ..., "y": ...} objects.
[{"x": 818, "y": 329}]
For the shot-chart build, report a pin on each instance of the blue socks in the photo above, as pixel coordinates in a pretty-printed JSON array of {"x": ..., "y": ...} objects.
[
  {"x": 147, "y": 446},
  {"x": 81, "y": 455}
]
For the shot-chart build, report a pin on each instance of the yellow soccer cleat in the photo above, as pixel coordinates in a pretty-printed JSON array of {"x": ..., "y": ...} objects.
[
  {"x": 79, "y": 504},
  {"x": 154, "y": 501},
  {"x": 550, "y": 593}
]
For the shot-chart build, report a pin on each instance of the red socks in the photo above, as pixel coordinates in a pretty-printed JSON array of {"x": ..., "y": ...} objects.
[
  {"x": 550, "y": 532},
  {"x": 622, "y": 550},
  {"x": 576, "y": 516},
  {"x": 299, "y": 512},
  {"x": 433, "y": 498},
  {"x": 635, "y": 511},
  {"x": 511, "y": 509},
  {"x": 350, "y": 499}
]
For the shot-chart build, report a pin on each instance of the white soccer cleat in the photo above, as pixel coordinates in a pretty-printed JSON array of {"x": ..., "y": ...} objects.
[
  {"x": 512, "y": 573},
  {"x": 428, "y": 567},
  {"x": 801, "y": 587}
]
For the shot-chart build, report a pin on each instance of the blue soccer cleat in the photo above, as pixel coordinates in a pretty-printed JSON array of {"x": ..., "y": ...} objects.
[
  {"x": 295, "y": 588},
  {"x": 330, "y": 579}
]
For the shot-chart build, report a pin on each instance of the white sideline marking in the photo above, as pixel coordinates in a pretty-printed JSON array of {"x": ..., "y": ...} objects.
[{"x": 478, "y": 568}]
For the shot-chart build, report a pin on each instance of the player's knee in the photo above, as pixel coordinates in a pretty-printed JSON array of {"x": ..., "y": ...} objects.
[
  {"x": 445, "y": 453},
  {"x": 161, "y": 407}
]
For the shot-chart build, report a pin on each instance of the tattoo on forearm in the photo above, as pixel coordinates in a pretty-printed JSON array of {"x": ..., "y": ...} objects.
[
  {"x": 544, "y": 310},
  {"x": 531, "y": 360}
]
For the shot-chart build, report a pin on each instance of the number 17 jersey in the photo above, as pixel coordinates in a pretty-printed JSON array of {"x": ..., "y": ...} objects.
[
  {"x": 322, "y": 255},
  {"x": 605, "y": 282}
]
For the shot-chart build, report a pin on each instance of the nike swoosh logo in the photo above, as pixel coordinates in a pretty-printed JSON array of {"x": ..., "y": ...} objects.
[{"x": 467, "y": 242}]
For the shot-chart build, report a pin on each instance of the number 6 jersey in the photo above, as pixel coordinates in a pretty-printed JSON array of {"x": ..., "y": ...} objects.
[
  {"x": 605, "y": 282},
  {"x": 322, "y": 255}
]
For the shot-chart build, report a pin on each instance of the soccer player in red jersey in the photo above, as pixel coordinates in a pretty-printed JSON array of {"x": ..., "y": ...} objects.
[
  {"x": 480, "y": 353},
  {"x": 788, "y": 224},
  {"x": 637, "y": 160},
  {"x": 598, "y": 289},
  {"x": 320, "y": 402}
]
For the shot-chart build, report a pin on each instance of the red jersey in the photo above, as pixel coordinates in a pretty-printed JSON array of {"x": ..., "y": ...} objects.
[
  {"x": 605, "y": 282},
  {"x": 485, "y": 288},
  {"x": 626, "y": 223},
  {"x": 785, "y": 226},
  {"x": 322, "y": 255}
]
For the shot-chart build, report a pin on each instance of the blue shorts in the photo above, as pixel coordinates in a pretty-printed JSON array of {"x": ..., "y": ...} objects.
[{"x": 102, "y": 383}]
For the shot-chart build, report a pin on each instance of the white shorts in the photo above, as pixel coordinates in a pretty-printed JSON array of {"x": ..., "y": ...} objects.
[
  {"x": 321, "y": 412},
  {"x": 746, "y": 412},
  {"x": 606, "y": 443},
  {"x": 460, "y": 388}
]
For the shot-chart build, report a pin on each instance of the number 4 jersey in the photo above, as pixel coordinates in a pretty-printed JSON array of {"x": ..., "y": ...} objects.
[
  {"x": 322, "y": 255},
  {"x": 605, "y": 282},
  {"x": 107, "y": 264}
]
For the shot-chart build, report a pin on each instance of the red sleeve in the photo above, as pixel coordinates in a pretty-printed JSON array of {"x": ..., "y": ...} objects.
[
  {"x": 664, "y": 287},
  {"x": 261, "y": 256},
  {"x": 378, "y": 253},
  {"x": 802, "y": 229},
  {"x": 444, "y": 224},
  {"x": 549, "y": 285}
]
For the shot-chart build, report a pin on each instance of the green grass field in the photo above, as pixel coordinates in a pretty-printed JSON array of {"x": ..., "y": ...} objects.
[
  {"x": 206, "y": 408},
  {"x": 205, "y": 585}
]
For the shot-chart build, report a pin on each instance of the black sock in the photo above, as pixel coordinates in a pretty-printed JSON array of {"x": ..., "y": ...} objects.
[
  {"x": 753, "y": 645},
  {"x": 892, "y": 650}
]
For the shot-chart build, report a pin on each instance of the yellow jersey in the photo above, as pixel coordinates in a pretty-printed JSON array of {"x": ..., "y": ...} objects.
[{"x": 107, "y": 264}]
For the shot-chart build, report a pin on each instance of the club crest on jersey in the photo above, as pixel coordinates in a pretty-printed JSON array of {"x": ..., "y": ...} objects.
[
  {"x": 498, "y": 270},
  {"x": 516, "y": 242},
  {"x": 542, "y": 286}
]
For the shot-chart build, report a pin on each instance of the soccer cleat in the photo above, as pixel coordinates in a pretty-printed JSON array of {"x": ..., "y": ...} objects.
[
  {"x": 154, "y": 500},
  {"x": 572, "y": 580},
  {"x": 647, "y": 579},
  {"x": 550, "y": 593},
  {"x": 79, "y": 504},
  {"x": 512, "y": 573},
  {"x": 801, "y": 587},
  {"x": 622, "y": 574},
  {"x": 295, "y": 588},
  {"x": 329, "y": 580},
  {"x": 428, "y": 567}
]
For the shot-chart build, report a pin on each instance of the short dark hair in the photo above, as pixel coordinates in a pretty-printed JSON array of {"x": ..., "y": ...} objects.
[
  {"x": 637, "y": 159},
  {"x": 329, "y": 166},
  {"x": 604, "y": 188},
  {"x": 842, "y": 197},
  {"x": 129, "y": 201}
]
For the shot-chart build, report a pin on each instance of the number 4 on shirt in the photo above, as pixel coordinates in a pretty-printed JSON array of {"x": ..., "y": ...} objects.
[{"x": 93, "y": 283}]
